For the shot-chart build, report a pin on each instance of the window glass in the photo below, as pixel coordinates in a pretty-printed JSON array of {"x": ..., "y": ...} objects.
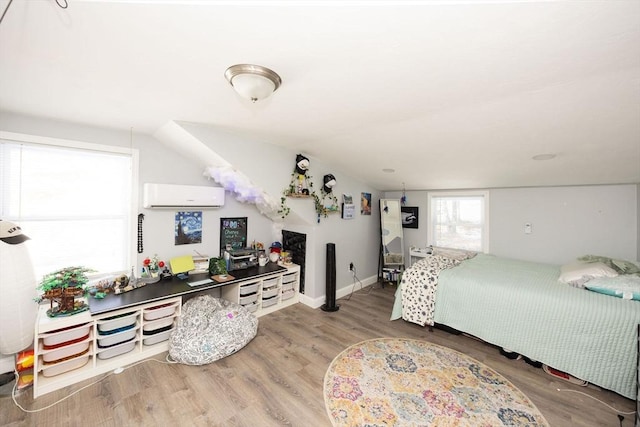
[
  {"x": 74, "y": 204},
  {"x": 459, "y": 220}
]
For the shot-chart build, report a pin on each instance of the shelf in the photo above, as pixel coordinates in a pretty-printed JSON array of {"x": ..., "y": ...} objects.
[
  {"x": 96, "y": 360},
  {"x": 72, "y": 332}
]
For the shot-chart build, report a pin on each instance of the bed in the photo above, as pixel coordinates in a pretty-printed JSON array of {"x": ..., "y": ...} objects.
[{"x": 521, "y": 306}]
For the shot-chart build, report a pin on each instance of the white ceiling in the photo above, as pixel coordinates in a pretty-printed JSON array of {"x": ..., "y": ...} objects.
[{"x": 450, "y": 94}]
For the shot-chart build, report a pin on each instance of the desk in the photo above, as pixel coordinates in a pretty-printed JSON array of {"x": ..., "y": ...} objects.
[{"x": 175, "y": 287}]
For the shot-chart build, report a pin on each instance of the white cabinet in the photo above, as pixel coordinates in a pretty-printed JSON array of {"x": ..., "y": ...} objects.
[
  {"x": 266, "y": 294},
  {"x": 75, "y": 348},
  {"x": 415, "y": 254}
]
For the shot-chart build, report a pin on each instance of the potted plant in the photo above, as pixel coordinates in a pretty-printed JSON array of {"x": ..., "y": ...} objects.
[{"x": 63, "y": 286}]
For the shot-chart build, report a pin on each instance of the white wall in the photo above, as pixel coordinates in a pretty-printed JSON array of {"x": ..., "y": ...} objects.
[
  {"x": 270, "y": 167},
  {"x": 567, "y": 222},
  {"x": 266, "y": 165}
]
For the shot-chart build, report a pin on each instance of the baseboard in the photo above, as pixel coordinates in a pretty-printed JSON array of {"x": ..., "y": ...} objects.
[{"x": 340, "y": 293}]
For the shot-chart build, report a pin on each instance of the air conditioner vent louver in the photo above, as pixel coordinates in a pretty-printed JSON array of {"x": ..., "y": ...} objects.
[{"x": 176, "y": 196}]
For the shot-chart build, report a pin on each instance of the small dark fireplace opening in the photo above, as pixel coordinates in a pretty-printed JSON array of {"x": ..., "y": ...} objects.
[{"x": 296, "y": 243}]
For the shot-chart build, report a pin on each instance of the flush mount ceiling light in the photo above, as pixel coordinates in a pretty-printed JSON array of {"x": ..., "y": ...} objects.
[{"x": 253, "y": 82}]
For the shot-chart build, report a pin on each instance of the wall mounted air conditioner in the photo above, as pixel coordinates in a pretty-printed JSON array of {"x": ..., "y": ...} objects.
[{"x": 178, "y": 196}]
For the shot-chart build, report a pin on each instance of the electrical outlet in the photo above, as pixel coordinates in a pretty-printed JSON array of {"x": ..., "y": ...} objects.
[{"x": 351, "y": 266}]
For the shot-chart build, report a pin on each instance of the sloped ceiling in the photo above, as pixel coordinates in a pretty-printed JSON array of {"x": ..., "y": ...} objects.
[{"x": 449, "y": 94}]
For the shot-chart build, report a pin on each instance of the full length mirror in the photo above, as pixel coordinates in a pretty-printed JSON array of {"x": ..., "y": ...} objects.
[{"x": 391, "y": 229}]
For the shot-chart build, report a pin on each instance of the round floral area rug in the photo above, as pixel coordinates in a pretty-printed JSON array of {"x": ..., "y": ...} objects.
[{"x": 405, "y": 382}]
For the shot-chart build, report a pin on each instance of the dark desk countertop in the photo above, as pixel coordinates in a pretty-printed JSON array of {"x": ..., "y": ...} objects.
[{"x": 174, "y": 287}]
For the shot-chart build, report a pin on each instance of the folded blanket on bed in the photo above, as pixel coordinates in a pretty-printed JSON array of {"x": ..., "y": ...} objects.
[
  {"x": 419, "y": 288},
  {"x": 619, "y": 265}
]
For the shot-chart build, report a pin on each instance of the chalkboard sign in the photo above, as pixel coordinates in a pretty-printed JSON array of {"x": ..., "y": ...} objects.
[{"x": 233, "y": 233}]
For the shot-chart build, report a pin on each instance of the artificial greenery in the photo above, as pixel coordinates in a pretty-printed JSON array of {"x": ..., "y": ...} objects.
[
  {"x": 217, "y": 266},
  {"x": 69, "y": 277},
  {"x": 291, "y": 191}
]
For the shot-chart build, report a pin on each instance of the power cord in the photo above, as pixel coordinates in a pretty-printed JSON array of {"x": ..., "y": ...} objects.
[
  {"x": 355, "y": 278},
  {"x": 115, "y": 371},
  {"x": 619, "y": 413}
]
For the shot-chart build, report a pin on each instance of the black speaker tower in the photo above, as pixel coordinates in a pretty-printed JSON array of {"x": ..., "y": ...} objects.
[{"x": 331, "y": 279}]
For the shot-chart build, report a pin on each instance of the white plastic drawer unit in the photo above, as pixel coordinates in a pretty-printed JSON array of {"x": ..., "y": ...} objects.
[
  {"x": 155, "y": 337},
  {"x": 65, "y": 352},
  {"x": 269, "y": 301},
  {"x": 117, "y": 350},
  {"x": 288, "y": 294},
  {"x": 161, "y": 323},
  {"x": 269, "y": 283},
  {"x": 120, "y": 336},
  {"x": 159, "y": 311},
  {"x": 116, "y": 323},
  {"x": 271, "y": 292},
  {"x": 289, "y": 278},
  {"x": 248, "y": 299},
  {"x": 66, "y": 366},
  {"x": 249, "y": 288},
  {"x": 65, "y": 336}
]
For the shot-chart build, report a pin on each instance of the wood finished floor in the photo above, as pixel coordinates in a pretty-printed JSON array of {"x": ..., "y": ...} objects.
[{"x": 277, "y": 378}]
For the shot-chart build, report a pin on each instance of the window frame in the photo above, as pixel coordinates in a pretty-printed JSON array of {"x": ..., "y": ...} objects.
[
  {"x": 34, "y": 140},
  {"x": 460, "y": 193}
]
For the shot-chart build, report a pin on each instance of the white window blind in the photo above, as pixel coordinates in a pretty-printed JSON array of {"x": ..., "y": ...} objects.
[
  {"x": 459, "y": 220},
  {"x": 73, "y": 203}
]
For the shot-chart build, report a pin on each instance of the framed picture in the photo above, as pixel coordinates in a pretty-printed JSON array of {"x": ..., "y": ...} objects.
[
  {"x": 233, "y": 233},
  {"x": 348, "y": 210},
  {"x": 409, "y": 216},
  {"x": 365, "y": 204},
  {"x": 188, "y": 228}
]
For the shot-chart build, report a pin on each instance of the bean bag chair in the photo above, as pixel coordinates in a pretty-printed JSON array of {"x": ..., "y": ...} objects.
[{"x": 209, "y": 329}]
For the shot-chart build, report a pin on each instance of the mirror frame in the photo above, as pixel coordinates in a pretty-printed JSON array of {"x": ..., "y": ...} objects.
[{"x": 391, "y": 232}]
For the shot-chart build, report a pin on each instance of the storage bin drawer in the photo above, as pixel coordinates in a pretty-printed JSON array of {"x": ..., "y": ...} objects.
[
  {"x": 289, "y": 278},
  {"x": 251, "y": 307},
  {"x": 158, "y": 324},
  {"x": 117, "y": 338},
  {"x": 268, "y": 293},
  {"x": 160, "y": 311},
  {"x": 250, "y": 288},
  {"x": 248, "y": 299},
  {"x": 117, "y": 350},
  {"x": 287, "y": 286},
  {"x": 268, "y": 283},
  {"x": 288, "y": 294},
  {"x": 66, "y": 352},
  {"x": 65, "y": 336},
  {"x": 117, "y": 323},
  {"x": 159, "y": 337},
  {"x": 269, "y": 302},
  {"x": 69, "y": 365}
]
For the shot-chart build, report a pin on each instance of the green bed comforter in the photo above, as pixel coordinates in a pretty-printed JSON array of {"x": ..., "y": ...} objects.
[{"x": 521, "y": 306}]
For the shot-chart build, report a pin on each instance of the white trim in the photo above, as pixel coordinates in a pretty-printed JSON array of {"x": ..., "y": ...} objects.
[
  {"x": 81, "y": 145},
  {"x": 462, "y": 193}
]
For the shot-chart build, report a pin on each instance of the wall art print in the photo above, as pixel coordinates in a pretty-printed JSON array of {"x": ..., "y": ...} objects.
[
  {"x": 365, "y": 203},
  {"x": 409, "y": 216},
  {"x": 188, "y": 228}
]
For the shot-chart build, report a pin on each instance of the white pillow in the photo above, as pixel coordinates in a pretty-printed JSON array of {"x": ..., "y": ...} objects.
[{"x": 578, "y": 273}]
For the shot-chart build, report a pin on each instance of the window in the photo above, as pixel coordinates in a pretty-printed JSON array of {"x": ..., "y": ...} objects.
[
  {"x": 459, "y": 220},
  {"x": 74, "y": 201}
]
